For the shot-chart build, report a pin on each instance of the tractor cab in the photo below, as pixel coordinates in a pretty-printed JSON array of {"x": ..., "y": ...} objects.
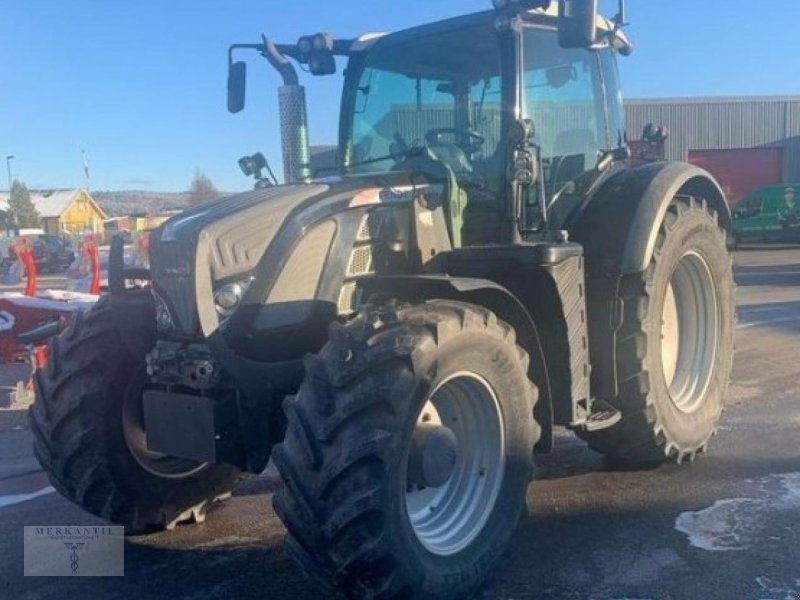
[{"x": 517, "y": 110}]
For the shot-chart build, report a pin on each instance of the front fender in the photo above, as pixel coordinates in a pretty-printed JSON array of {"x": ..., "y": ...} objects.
[
  {"x": 619, "y": 223},
  {"x": 481, "y": 292}
]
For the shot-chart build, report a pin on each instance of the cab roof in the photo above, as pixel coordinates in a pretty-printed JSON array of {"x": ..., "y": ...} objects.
[{"x": 545, "y": 18}]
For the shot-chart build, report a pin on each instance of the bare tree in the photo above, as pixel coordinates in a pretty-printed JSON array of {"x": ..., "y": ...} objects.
[{"x": 202, "y": 189}]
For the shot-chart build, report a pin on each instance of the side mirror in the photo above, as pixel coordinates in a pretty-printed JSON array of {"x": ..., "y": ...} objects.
[
  {"x": 577, "y": 23},
  {"x": 237, "y": 83}
]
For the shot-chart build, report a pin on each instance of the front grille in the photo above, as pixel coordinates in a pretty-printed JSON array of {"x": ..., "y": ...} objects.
[
  {"x": 365, "y": 231},
  {"x": 360, "y": 262},
  {"x": 348, "y": 298},
  {"x": 172, "y": 274}
]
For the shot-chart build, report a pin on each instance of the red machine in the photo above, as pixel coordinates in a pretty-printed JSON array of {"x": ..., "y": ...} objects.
[{"x": 28, "y": 321}]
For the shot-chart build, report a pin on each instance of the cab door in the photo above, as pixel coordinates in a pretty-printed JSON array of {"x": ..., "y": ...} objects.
[{"x": 571, "y": 95}]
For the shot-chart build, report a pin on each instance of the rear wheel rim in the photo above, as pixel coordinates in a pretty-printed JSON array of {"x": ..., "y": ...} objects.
[
  {"x": 155, "y": 463},
  {"x": 448, "y": 518},
  {"x": 689, "y": 332}
]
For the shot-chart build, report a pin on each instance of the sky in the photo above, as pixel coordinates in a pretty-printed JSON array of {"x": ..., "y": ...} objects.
[{"x": 140, "y": 85}]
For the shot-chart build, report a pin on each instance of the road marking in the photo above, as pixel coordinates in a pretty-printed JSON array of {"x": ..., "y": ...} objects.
[
  {"x": 755, "y": 310},
  {"x": 768, "y": 274},
  {"x": 20, "y": 498},
  {"x": 735, "y": 524},
  {"x": 768, "y": 322}
]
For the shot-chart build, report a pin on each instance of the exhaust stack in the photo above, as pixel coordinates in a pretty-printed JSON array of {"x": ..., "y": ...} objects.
[
  {"x": 294, "y": 133},
  {"x": 293, "y": 116}
]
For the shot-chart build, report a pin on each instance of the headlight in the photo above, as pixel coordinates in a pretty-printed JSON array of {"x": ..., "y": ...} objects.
[
  {"x": 164, "y": 321},
  {"x": 228, "y": 297}
]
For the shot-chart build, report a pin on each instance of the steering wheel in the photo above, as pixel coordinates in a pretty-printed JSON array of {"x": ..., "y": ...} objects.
[{"x": 473, "y": 140}]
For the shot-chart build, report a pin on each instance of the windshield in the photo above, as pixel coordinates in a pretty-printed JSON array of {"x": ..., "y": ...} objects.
[{"x": 442, "y": 91}]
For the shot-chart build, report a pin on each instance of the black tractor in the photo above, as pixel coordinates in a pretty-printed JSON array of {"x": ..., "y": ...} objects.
[{"x": 402, "y": 335}]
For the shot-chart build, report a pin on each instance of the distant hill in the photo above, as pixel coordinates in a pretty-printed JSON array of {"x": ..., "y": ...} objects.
[{"x": 118, "y": 204}]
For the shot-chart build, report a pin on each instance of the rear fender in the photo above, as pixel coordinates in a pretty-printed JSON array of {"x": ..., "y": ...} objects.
[
  {"x": 496, "y": 298},
  {"x": 618, "y": 227}
]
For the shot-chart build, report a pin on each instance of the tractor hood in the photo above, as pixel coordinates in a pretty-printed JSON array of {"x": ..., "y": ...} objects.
[{"x": 248, "y": 238}]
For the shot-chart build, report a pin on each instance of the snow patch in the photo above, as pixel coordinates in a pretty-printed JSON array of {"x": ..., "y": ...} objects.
[
  {"x": 777, "y": 590},
  {"x": 736, "y": 523}
]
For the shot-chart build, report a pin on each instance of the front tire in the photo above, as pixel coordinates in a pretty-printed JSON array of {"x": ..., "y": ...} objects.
[
  {"x": 364, "y": 510},
  {"x": 675, "y": 347},
  {"x": 88, "y": 429}
]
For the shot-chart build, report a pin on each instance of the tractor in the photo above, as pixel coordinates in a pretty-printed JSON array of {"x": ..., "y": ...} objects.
[{"x": 401, "y": 335}]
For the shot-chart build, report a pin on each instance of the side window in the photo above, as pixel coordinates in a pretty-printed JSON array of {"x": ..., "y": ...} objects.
[
  {"x": 563, "y": 97},
  {"x": 486, "y": 116},
  {"x": 751, "y": 207},
  {"x": 754, "y": 207},
  {"x": 614, "y": 102}
]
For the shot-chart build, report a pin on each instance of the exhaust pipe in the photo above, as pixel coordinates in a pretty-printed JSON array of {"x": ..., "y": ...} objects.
[
  {"x": 294, "y": 133},
  {"x": 293, "y": 117}
]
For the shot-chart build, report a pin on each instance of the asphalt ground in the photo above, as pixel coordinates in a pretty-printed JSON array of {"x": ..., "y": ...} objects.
[{"x": 726, "y": 527}]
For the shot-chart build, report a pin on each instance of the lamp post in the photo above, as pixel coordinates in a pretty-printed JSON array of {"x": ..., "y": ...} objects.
[
  {"x": 13, "y": 220},
  {"x": 9, "y": 158}
]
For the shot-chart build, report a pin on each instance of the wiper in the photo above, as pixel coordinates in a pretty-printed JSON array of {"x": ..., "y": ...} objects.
[
  {"x": 412, "y": 151},
  {"x": 346, "y": 168}
]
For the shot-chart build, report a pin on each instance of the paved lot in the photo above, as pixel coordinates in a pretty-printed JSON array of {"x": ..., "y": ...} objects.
[
  {"x": 725, "y": 528},
  {"x": 44, "y": 282}
]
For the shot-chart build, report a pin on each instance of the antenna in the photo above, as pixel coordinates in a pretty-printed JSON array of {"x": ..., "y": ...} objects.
[
  {"x": 86, "y": 171},
  {"x": 619, "y": 20}
]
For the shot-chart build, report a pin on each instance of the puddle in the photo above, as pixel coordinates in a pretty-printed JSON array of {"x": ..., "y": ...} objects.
[{"x": 738, "y": 523}]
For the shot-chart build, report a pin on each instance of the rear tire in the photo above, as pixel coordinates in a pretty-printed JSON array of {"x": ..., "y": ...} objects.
[
  {"x": 675, "y": 346},
  {"x": 356, "y": 519},
  {"x": 86, "y": 396}
]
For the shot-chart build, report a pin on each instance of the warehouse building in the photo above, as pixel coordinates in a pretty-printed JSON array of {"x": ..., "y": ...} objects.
[{"x": 744, "y": 142}]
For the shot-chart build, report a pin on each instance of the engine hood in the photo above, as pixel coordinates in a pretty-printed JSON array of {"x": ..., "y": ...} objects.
[{"x": 225, "y": 240}]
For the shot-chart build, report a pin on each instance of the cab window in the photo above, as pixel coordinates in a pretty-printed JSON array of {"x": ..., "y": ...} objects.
[{"x": 564, "y": 98}]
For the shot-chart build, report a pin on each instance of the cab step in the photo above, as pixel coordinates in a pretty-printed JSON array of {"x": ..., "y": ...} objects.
[{"x": 602, "y": 416}]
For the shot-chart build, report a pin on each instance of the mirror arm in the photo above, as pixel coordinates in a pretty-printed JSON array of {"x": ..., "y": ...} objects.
[{"x": 241, "y": 47}]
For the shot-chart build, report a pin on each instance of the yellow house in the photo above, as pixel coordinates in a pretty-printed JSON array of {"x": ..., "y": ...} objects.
[{"x": 69, "y": 211}]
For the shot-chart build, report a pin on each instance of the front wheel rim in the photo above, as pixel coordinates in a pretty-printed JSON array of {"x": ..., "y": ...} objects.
[
  {"x": 448, "y": 518},
  {"x": 155, "y": 463},
  {"x": 689, "y": 332}
]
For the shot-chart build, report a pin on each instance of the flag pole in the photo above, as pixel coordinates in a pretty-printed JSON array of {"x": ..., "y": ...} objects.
[{"x": 86, "y": 171}]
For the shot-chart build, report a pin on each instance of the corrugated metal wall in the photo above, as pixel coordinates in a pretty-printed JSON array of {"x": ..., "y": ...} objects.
[{"x": 723, "y": 123}]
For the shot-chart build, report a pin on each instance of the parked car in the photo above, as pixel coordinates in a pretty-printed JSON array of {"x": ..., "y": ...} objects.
[
  {"x": 768, "y": 214},
  {"x": 52, "y": 253}
]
